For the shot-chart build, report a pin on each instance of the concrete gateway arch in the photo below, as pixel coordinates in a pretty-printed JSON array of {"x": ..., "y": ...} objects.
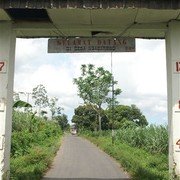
[{"x": 90, "y": 19}]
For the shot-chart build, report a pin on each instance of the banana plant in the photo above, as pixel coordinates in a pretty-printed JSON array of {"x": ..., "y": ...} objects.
[{"x": 20, "y": 104}]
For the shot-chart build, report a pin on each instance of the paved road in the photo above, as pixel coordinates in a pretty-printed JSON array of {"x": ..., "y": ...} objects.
[{"x": 80, "y": 159}]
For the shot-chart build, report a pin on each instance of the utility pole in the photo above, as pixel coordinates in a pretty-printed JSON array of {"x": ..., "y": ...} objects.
[{"x": 112, "y": 101}]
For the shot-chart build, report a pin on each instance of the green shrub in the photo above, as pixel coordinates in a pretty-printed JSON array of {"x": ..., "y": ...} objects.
[
  {"x": 140, "y": 164},
  {"x": 153, "y": 139},
  {"x": 34, "y": 143},
  {"x": 141, "y": 151}
]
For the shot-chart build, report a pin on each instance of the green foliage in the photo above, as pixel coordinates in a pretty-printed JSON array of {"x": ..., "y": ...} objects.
[
  {"x": 34, "y": 141},
  {"x": 94, "y": 84},
  {"x": 126, "y": 116},
  {"x": 62, "y": 121},
  {"x": 24, "y": 121},
  {"x": 140, "y": 163},
  {"x": 142, "y": 151},
  {"x": 39, "y": 94},
  {"x": 153, "y": 139},
  {"x": 35, "y": 162},
  {"x": 86, "y": 117},
  {"x": 53, "y": 106},
  {"x": 97, "y": 134},
  {"x": 20, "y": 104}
]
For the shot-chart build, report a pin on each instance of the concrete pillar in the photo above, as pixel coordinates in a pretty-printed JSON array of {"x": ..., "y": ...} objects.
[
  {"x": 7, "y": 56},
  {"x": 173, "y": 81}
]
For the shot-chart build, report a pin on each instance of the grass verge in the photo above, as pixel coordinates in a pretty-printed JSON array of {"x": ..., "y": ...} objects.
[
  {"x": 33, "y": 164},
  {"x": 139, "y": 163}
]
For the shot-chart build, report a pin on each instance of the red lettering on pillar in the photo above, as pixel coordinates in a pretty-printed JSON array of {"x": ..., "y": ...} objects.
[
  {"x": 1, "y": 65},
  {"x": 179, "y": 104},
  {"x": 177, "y": 66},
  {"x": 178, "y": 143}
]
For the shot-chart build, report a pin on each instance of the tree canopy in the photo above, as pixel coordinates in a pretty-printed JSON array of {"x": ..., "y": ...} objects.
[
  {"x": 62, "y": 121},
  {"x": 40, "y": 97},
  {"x": 126, "y": 115},
  {"x": 86, "y": 117},
  {"x": 94, "y": 86}
]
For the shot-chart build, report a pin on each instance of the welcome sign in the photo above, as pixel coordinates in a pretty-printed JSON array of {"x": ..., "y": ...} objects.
[{"x": 81, "y": 45}]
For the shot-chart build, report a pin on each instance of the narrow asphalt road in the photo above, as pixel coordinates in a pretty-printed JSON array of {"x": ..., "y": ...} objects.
[{"x": 80, "y": 159}]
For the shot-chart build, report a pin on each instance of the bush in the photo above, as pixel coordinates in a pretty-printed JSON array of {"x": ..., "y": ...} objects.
[
  {"x": 153, "y": 139},
  {"x": 141, "y": 151},
  {"x": 140, "y": 164},
  {"x": 34, "y": 142}
]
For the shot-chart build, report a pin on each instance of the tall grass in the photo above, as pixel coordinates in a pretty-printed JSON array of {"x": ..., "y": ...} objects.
[
  {"x": 34, "y": 143},
  {"x": 153, "y": 139},
  {"x": 141, "y": 151},
  {"x": 139, "y": 163}
]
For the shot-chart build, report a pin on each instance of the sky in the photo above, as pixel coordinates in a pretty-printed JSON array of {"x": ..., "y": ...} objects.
[{"x": 141, "y": 75}]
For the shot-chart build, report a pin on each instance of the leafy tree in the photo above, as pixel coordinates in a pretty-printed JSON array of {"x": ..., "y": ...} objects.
[
  {"x": 137, "y": 116},
  {"x": 86, "y": 117},
  {"x": 55, "y": 110},
  {"x": 125, "y": 116},
  {"x": 40, "y": 97},
  {"x": 94, "y": 86},
  {"x": 59, "y": 109},
  {"x": 62, "y": 121},
  {"x": 53, "y": 106}
]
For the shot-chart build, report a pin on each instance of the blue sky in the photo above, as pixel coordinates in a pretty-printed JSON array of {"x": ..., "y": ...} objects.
[{"x": 140, "y": 75}]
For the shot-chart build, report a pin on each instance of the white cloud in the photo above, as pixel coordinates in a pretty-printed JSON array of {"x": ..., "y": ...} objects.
[{"x": 140, "y": 75}]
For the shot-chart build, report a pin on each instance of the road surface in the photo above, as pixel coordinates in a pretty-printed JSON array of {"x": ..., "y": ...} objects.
[{"x": 80, "y": 159}]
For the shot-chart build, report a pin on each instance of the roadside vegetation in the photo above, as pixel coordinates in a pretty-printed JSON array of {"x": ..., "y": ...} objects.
[
  {"x": 35, "y": 137},
  {"x": 34, "y": 143},
  {"x": 142, "y": 149},
  {"x": 142, "y": 164},
  {"x": 97, "y": 88}
]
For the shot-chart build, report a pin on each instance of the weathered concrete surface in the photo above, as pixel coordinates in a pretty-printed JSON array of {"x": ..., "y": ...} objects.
[
  {"x": 80, "y": 159},
  {"x": 98, "y": 4}
]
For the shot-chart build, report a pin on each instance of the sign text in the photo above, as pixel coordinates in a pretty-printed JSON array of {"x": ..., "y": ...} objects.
[{"x": 80, "y": 45}]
